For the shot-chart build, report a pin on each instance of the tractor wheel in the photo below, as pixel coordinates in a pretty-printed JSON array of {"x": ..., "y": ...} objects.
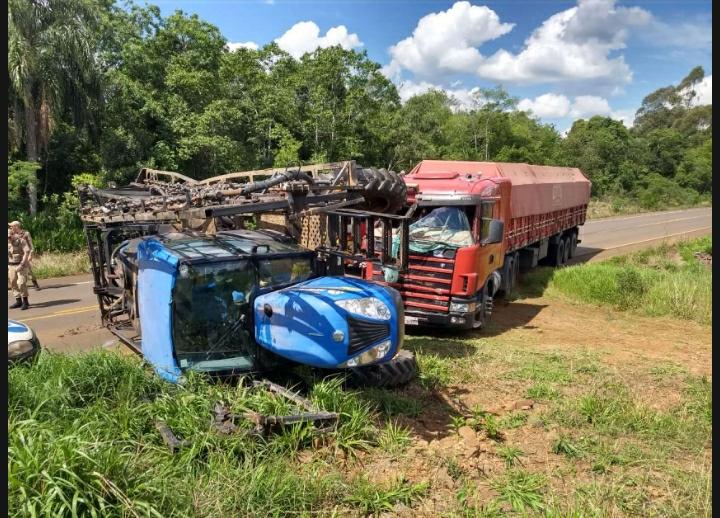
[
  {"x": 384, "y": 191},
  {"x": 398, "y": 371}
]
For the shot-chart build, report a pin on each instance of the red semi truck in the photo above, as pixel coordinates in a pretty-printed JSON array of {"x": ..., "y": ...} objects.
[{"x": 475, "y": 226}]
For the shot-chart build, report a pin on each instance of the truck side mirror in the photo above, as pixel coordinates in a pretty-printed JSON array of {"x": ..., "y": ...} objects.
[{"x": 495, "y": 232}]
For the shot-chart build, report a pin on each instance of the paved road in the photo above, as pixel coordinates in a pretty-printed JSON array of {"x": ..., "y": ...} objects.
[{"x": 64, "y": 313}]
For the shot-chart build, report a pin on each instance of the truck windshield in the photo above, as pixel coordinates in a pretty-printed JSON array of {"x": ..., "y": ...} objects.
[
  {"x": 207, "y": 329},
  {"x": 441, "y": 227}
]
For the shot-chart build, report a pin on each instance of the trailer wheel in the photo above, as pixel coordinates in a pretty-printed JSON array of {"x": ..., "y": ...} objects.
[
  {"x": 384, "y": 191},
  {"x": 566, "y": 252},
  {"x": 573, "y": 244},
  {"x": 398, "y": 371},
  {"x": 557, "y": 253}
]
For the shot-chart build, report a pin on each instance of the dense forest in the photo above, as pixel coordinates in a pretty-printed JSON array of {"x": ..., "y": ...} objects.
[{"x": 97, "y": 90}]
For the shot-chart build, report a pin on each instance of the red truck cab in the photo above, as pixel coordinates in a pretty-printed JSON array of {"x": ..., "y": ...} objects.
[{"x": 476, "y": 224}]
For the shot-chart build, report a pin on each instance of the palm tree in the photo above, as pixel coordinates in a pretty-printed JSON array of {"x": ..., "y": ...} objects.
[{"x": 52, "y": 69}]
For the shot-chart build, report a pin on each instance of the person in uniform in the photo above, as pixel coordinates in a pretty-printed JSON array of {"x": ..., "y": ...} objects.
[
  {"x": 16, "y": 227},
  {"x": 18, "y": 263}
]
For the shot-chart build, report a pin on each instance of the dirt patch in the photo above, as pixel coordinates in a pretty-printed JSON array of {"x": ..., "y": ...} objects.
[{"x": 619, "y": 337}]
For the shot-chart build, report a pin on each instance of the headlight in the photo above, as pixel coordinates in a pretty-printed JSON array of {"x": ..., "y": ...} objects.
[
  {"x": 462, "y": 307},
  {"x": 368, "y": 307},
  {"x": 372, "y": 355},
  {"x": 20, "y": 347}
]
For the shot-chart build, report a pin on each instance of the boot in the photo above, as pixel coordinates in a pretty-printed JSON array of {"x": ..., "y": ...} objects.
[
  {"x": 35, "y": 284},
  {"x": 25, "y": 304},
  {"x": 18, "y": 303}
]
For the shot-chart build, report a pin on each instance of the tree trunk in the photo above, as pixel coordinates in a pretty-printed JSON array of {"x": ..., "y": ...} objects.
[
  {"x": 487, "y": 120},
  {"x": 31, "y": 150}
]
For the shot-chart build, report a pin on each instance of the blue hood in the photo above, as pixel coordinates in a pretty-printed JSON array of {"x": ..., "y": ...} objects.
[{"x": 305, "y": 316}]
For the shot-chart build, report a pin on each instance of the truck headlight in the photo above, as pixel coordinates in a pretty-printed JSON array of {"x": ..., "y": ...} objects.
[
  {"x": 367, "y": 306},
  {"x": 372, "y": 355},
  {"x": 20, "y": 347},
  {"x": 462, "y": 307}
]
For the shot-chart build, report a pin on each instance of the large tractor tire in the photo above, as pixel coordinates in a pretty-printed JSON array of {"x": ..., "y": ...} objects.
[
  {"x": 398, "y": 371},
  {"x": 384, "y": 191}
]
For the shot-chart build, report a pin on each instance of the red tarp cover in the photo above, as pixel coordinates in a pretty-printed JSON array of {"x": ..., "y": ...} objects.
[{"x": 536, "y": 189}]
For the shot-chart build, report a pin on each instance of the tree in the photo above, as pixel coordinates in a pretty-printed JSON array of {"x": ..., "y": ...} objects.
[{"x": 52, "y": 68}]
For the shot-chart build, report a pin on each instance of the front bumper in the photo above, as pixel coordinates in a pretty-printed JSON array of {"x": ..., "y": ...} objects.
[{"x": 426, "y": 318}]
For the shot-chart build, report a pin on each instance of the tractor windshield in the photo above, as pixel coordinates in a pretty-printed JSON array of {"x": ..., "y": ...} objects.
[
  {"x": 208, "y": 329},
  {"x": 283, "y": 270}
]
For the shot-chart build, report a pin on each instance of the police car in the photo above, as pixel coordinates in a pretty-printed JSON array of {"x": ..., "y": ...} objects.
[{"x": 22, "y": 342}]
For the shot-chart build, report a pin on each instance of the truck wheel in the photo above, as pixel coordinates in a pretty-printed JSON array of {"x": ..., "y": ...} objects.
[
  {"x": 398, "y": 371},
  {"x": 557, "y": 253},
  {"x": 384, "y": 191},
  {"x": 573, "y": 244},
  {"x": 568, "y": 246}
]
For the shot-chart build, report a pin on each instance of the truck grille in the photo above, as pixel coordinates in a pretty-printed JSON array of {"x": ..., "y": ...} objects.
[
  {"x": 364, "y": 333},
  {"x": 427, "y": 284}
]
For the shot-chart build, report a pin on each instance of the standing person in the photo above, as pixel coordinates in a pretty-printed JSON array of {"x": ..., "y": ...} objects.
[
  {"x": 16, "y": 227},
  {"x": 18, "y": 263}
]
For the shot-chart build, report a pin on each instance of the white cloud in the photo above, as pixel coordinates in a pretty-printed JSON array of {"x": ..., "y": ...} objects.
[
  {"x": 575, "y": 44},
  {"x": 589, "y": 105},
  {"x": 579, "y": 43},
  {"x": 305, "y": 37},
  {"x": 686, "y": 35},
  {"x": 233, "y": 46},
  {"x": 556, "y": 106},
  {"x": 447, "y": 41},
  {"x": 550, "y": 106},
  {"x": 703, "y": 92}
]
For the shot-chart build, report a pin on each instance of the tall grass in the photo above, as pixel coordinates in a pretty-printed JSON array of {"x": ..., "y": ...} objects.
[
  {"x": 82, "y": 442},
  {"x": 60, "y": 264},
  {"x": 665, "y": 280}
]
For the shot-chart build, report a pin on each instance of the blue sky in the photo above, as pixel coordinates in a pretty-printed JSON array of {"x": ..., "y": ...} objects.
[{"x": 563, "y": 59}]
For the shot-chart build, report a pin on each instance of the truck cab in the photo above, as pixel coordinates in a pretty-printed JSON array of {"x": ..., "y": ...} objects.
[{"x": 473, "y": 224}]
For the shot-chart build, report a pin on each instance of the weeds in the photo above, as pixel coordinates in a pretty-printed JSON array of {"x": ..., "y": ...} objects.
[
  {"x": 394, "y": 438},
  {"x": 564, "y": 445},
  {"x": 521, "y": 489},
  {"x": 60, "y": 264},
  {"x": 369, "y": 498},
  {"x": 648, "y": 282},
  {"x": 510, "y": 454}
]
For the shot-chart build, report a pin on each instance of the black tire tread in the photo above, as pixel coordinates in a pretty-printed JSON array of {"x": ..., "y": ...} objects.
[
  {"x": 398, "y": 371},
  {"x": 384, "y": 191}
]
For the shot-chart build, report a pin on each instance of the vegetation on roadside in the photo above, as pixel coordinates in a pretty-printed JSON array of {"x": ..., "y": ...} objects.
[
  {"x": 59, "y": 264},
  {"x": 82, "y": 437},
  {"x": 668, "y": 280},
  {"x": 138, "y": 88}
]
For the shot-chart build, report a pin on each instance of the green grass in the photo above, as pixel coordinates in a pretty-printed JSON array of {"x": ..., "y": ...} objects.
[
  {"x": 82, "y": 441},
  {"x": 60, "y": 264},
  {"x": 661, "y": 281}
]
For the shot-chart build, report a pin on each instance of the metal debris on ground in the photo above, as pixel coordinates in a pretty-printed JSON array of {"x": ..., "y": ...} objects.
[
  {"x": 224, "y": 421},
  {"x": 169, "y": 437}
]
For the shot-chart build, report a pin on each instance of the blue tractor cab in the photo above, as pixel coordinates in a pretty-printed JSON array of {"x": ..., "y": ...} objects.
[{"x": 240, "y": 300}]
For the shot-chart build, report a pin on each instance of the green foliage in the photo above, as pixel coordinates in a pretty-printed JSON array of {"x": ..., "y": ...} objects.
[
  {"x": 113, "y": 88},
  {"x": 521, "y": 489},
  {"x": 82, "y": 441},
  {"x": 646, "y": 282},
  {"x": 368, "y": 498},
  {"x": 20, "y": 174}
]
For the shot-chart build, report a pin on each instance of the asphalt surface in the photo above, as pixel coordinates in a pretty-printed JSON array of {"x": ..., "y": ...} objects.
[{"x": 65, "y": 317}]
